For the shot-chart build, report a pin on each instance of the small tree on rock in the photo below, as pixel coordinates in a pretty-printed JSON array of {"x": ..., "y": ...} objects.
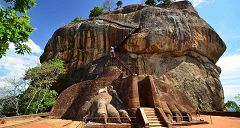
[
  {"x": 154, "y": 2},
  {"x": 77, "y": 19},
  {"x": 150, "y": 2},
  {"x": 96, "y": 11},
  {"x": 119, "y": 4},
  {"x": 165, "y": 2}
]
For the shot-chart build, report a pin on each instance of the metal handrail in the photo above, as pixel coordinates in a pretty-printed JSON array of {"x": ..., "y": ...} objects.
[
  {"x": 132, "y": 119},
  {"x": 197, "y": 117}
]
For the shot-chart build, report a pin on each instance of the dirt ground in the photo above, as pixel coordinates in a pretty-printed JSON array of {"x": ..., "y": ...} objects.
[
  {"x": 217, "y": 122},
  {"x": 214, "y": 122}
]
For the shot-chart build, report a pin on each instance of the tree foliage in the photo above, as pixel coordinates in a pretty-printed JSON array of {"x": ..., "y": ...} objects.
[
  {"x": 77, "y": 19},
  {"x": 38, "y": 97},
  {"x": 232, "y": 106},
  {"x": 41, "y": 102},
  {"x": 150, "y": 2},
  {"x": 119, "y": 4},
  {"x": 154, "y": 2},
  {"x": 15, "y": 25},
  {"x": 165, "y": 2},
  {"x": 96, "y": 11},
  {"x": 41, "y": 79},
  {"x": 46, "y": 74},
  {"x": 9, "y": 104}
]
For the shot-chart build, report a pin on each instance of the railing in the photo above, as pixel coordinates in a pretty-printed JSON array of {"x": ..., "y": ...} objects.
[
  {"x": 164, "y": 117},
  {"x": 199, "y": 119},
  {"x": 96, "y": 119},
  {"x": 143, "y": 118}
]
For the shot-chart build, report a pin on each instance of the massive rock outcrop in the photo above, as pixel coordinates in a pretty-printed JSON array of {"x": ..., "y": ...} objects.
[{"x": 171, "y": 43}]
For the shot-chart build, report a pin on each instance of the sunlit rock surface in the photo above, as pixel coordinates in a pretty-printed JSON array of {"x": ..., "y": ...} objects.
[{"x": 174, "y": 45}]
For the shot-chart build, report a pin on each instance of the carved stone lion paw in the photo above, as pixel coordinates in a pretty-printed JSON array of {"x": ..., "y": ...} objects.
[
  {"x": 101, "y": 109},
  {"x": 175, "y": 112}
]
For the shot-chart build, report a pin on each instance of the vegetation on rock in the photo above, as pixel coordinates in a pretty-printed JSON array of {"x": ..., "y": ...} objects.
[
  {"x": 96, "y": 11},
  {"x": 15, "y": 26},
  {"x": 154, "y": 2},
  {"x": 77, "y": 19},
  {"x": 150, "y": 2},
  {"x": 119, "y": 4}
]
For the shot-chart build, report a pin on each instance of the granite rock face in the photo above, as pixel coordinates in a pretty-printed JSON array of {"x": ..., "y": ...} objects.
[{"x": 174, "y": 44}]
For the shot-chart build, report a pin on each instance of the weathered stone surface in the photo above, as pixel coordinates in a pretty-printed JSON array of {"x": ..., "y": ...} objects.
[{"x": 175, "y": 46}]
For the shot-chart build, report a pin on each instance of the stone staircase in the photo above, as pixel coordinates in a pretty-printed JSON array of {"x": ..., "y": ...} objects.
[{"x": 155, "y": 121}]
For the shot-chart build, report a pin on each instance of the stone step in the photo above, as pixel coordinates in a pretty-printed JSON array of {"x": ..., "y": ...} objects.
[
  {"x": 155, "y": 125},
  {"x": 154, "y": 119},
  {"x": 150, "y": 114},
  {"x": 155, "y": 122},
  {"x": 146, "y": 110},
  {"x": 149, "y": 109}
]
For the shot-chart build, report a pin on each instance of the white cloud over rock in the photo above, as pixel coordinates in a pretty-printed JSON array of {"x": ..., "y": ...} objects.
[
  {"x": 230, "y": 76},
  {"x": 230, "y": 91},
  {"x": 196, "y": 3},
  {"x": 230, "y": 66},
  {"x": 14, "y": 65}
]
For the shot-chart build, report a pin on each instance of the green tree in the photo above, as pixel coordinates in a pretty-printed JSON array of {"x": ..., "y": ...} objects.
[
  {"x": 119, "y": 4},
  {"x": 165, "y": 2},
  {"x": 15, "y": 25},
  {"x": 96, "y": 11},
  {"x": 150, "y": 2},
  {"x": 40, "y": 80},
  {"x": 10, "y": 101},
  {"x": 46, "y": 74},
  {"x": 154, "y": 2},
  {"x": 41, "y": 102},
  {"x": 77, "y": 19},
  {"x": 232, "y": 106}
]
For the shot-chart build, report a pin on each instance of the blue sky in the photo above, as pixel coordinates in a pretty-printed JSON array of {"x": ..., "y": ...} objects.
[{"x": 47, "y": 16}]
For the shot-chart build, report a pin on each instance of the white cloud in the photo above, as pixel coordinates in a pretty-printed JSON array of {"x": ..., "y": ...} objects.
[
  {"x": 14, "y": 65},
  {"x": 230, "y": 91},
  {"x": 35, "y": 48},
  {"x": 196, "y": 3},
  {"x": 230, "y": 66},
  {"x": 230, "y": 75}
]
